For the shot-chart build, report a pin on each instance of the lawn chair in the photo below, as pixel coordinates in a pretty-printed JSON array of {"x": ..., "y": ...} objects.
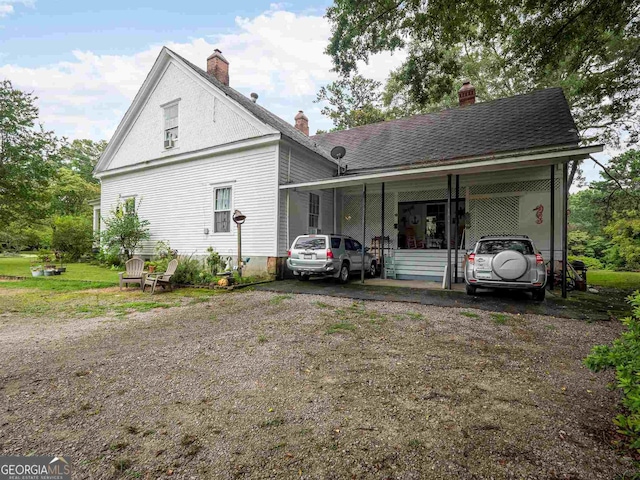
[
  {"x": 134, "y": 273},
  {"x": 162, "y": 279}
]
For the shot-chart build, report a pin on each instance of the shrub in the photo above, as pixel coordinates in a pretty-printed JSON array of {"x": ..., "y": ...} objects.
[
  {"x": 214, "y": 262},
  {"x": 624, "y": 356},
  {"x": 124, "y": 230},
  {"x": 189, "y": 272},
  {"x": 72, "y": 236},
  {"x": 591, "y": 263}
]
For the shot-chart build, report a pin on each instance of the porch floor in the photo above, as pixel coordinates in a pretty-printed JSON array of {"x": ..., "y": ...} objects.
[{"x": 422, "y": 284}]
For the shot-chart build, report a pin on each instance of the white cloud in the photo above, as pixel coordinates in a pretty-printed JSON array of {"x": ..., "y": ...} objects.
[
  {"x": 278, "y": 54},
  {"x": 6, "y": 6}
]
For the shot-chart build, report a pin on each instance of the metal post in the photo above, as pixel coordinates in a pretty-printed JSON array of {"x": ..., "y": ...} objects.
[
  {"x": 552, "y": 228},
  {"x": 565, "y": 208},
  {"x": 364, "y": 227},
  {"x": 455, "y": 260},
  {"x": 335, "y": 210},
  {"x": 239, "y": 249},
  {"x": 448, "y": 233},
  {"x": 382, "y": 236}
]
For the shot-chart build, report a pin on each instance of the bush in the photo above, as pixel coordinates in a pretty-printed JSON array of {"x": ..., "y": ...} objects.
[
  {"x": 624, "y": 356},
  {"x": 72, "y": 236},
  {"x": 591, "y": 263},
  {"x": 124, "y": 230},
  {"x": 190, "y": 271}
]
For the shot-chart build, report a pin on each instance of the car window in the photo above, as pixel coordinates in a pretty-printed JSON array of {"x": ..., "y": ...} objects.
[
  {"x": 348, "y": 244},
  {"x": 335, "y": 242},
  {"x": 310, "y": 243},
  {"x": 491, "y": 247},
  {"x": 356, "y": 245}
]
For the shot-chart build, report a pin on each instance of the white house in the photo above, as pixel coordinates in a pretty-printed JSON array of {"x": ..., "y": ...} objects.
[{"x": 190, "y": 150}]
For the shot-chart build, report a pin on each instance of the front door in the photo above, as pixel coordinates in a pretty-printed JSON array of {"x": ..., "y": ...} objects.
[{"x": 423, "y": 225}]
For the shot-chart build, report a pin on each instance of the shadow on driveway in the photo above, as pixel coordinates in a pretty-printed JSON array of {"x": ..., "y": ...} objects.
[{"x": 596, "y": 308}]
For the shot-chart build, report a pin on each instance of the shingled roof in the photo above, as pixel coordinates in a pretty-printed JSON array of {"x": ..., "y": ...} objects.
[
  {"x": 538, "y": 119},
  {"x": 260, "y": 112}
]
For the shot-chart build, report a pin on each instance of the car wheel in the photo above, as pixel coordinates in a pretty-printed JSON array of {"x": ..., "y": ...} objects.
[
  {"x": 471, "y": 290},
  {"x": 538, "y": 295},
  {"x": 373, "y": 270},
  {"x": 303, "y": 278},
  {"x": 343, "y": 276}
]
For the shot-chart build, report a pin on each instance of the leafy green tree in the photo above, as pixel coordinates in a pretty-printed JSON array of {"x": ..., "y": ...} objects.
[
  {"x": 72, "y": 236},
  {"x": 69, "y": 193},
  {"x": 625, "y": 235},
  {"x": 124, "y": 231},
  {"x": 29, "y": 157},
  {"x": 352, "y": 102},
  {"x": 81, "y": 157},
  {"x": 589, "y": 48}
]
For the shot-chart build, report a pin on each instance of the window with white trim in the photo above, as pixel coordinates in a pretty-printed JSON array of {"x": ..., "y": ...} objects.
[
  {"x": 314, "y": 211},
  {"x": 128, "y": 205},
  {"x": 221, "y": 209},
  {"x": 171, "y": 122}
]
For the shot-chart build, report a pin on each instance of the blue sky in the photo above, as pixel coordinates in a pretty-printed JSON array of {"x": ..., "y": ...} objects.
[{"x": 85, "y": 60}]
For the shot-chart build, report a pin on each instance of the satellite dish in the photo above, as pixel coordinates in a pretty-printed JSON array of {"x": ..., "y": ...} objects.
[{"x": 338, "y": 152}]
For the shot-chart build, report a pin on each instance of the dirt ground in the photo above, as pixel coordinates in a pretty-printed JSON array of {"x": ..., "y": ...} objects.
[{"x": 261, "y": 385}]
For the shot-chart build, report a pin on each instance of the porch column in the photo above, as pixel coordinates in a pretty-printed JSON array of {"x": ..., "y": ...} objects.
[
  {"x": 448, "y": 233},
  {"x": 565, "y": 207},
  {"x": 456, "y": 219},
  {"x": 552, "y": 228},
  {"x": 364, "y": 228},
  {"x": 382, "y": 275},
  {"x": 335, "y": 211}
]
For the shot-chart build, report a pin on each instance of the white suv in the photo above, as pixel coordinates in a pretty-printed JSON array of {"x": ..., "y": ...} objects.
[{"x": 328, "y": 255}]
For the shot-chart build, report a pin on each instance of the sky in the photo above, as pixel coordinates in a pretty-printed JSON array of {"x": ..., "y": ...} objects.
[{"x": 86, "y": 60}]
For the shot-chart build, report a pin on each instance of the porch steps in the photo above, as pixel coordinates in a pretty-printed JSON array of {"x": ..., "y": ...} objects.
[{"x": 424, "y": 264}]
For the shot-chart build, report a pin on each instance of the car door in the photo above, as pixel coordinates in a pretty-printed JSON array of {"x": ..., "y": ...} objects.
[{"x": 355, "y": 254}]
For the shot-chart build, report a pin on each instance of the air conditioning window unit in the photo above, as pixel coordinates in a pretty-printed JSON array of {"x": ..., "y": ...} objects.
[
  {"x": 169, "y": 143},
  {"x": 313, "y": 231}
]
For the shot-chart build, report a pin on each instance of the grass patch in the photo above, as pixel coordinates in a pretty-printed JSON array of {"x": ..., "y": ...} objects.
[
  {"x": 609, "y": 279},
  {"x": 278, "y": 299},
  {"x": 262, "y": 339},
  {"x": 469, "y": 314},
  {"x": 118, "y": 446},
  {"x": 340, "y": 327},
  {"x": 322, "y": 305},
  {"x": 414, "y": 315},
  {"x": 500, "y": 318},
  {"x": 274, "y": 422},
  {"x": 21, "y": 267},
  {"x": 142, "y": 306},
  {"x": 53, "y": 285}
]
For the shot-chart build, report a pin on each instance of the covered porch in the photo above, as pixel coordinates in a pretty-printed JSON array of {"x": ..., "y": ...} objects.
[{"x": 420, "y": 222}]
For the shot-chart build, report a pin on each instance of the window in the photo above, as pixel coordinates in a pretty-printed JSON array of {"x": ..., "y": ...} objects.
[
  {"x": 128, "y": 205},
  {"x": 314, "y": 211},
  {"x": 492, "y": 247},
  {"x": 171, "y": 122},
  {"x": 335, "y": 242},
  {"x": 310, "y": 243},
  {"x": 222, "y": 210}
]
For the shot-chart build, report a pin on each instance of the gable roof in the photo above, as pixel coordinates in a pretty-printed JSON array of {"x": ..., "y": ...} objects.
[
  {"x": 538, "y": 119},
  {"x": 260, "y": 112}
]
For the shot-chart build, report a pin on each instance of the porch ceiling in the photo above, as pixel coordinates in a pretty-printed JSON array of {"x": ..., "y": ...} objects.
[{"x": 457, "y": 167}]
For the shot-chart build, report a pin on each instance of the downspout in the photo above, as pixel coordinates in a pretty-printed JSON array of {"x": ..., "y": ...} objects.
[{"x": 288, "y": 201}]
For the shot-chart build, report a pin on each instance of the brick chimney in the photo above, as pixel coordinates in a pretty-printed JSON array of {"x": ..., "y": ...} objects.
[
  {"x": 218, "y": 66},
  {"x": 302, "y": 122},
  {"x": 467, "y": 94}
]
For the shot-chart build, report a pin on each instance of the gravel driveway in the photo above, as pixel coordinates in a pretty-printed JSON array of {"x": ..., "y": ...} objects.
[{"x": 260, "y": 385}]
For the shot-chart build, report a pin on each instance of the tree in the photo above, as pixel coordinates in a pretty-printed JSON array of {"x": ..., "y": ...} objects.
[
  {"x": 589, "y": 48},
  {"x": 625, "y": 235},
  {"x": 352, "y": 102},
  {"x": 81, "y": 157},
  {"x": 69, "y": 193},
  {"x": 124, "y": 230},
  {"x": 72, "y": 236},
  {"x": 29, "y": 156}
]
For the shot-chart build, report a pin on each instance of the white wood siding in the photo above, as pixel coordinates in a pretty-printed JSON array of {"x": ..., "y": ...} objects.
[
  {"x": 178, "y": 201},
  {"x": 299, "y": 165},
  {"x": 206, "y": 118}
]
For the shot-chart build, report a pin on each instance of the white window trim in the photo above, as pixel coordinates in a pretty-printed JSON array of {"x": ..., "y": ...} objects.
[
  {"x": 219, "y": 186},
  {"x": 319, "y": 195},
  {"x": 125, "y": 198},
  {"x": 163, "y": 108}
]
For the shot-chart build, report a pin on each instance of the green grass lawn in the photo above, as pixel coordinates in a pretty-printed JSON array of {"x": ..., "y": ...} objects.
[
  {"x": 610, "y": 279},
  {"x": 77, "y": 276}
]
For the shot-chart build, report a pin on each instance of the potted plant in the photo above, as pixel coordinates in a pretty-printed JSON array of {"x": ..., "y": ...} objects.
[
  {"x": 49, "y": 272},
  {"x": 37, "y": 271},
  {"x": 152, "y": 267}
]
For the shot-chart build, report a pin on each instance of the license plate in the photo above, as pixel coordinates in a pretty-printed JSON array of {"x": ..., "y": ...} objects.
[
  {"x": 483, "y": 275},
  {"x": 308, "y": 257}
]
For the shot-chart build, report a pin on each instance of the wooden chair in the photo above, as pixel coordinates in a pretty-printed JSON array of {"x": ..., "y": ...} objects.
[
  {"x": 162, "y": 279},
  {"x": 134, "y": 272}
]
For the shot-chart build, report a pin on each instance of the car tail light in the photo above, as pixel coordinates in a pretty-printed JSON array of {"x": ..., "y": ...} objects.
[
  {"x": 472, "y": 258},
  {"x": 539, "y": 259},
  {"x": 288, "y": 253},
  {"x": 329, "y": 253}
]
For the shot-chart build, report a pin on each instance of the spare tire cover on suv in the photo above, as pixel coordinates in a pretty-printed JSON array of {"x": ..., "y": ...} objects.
[{"x": 509, "y": 265}]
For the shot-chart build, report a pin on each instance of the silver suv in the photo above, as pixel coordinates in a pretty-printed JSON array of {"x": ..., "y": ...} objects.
[
  {"x": 511, "y": 262},
  {"x": 328, "y": 255}
]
